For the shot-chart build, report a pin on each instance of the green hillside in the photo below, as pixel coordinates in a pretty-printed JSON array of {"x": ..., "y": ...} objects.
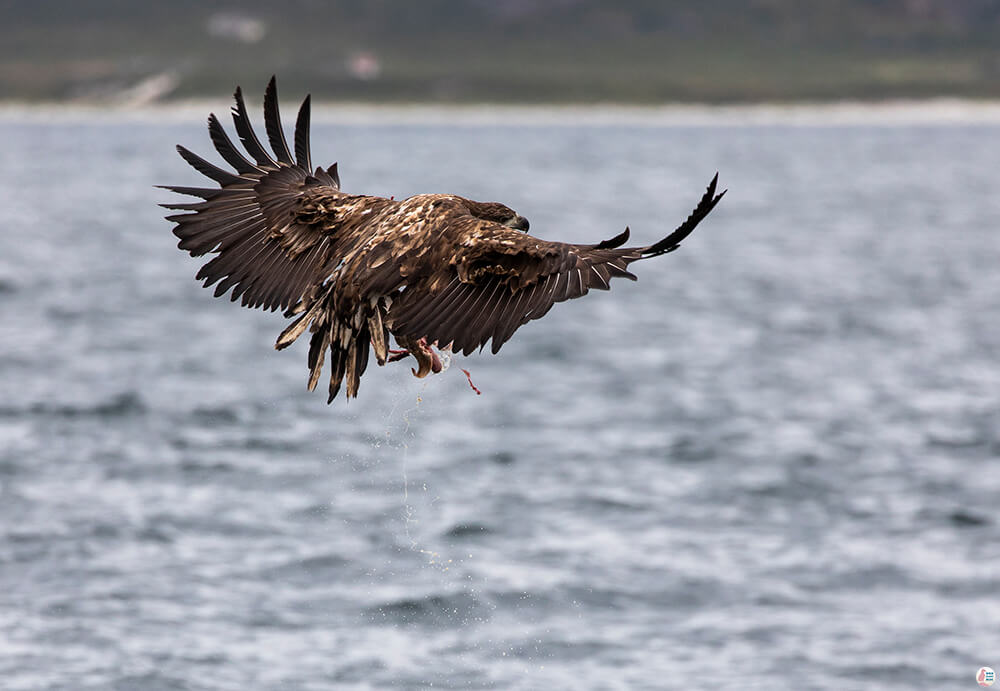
[{"x": 505, "y": 50}]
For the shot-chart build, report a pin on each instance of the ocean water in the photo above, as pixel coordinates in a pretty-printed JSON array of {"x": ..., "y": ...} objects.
[{"x": 772, "y": 463}]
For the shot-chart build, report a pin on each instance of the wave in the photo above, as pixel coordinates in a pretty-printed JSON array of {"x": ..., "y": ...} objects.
[
  {"x": 120, "y": 405},
  {"x": 432, "y": 610}
]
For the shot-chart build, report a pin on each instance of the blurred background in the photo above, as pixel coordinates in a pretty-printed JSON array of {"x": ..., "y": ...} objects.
[
  {"x": 769, "y": 464},
  {"x": 578, "y": 51}
]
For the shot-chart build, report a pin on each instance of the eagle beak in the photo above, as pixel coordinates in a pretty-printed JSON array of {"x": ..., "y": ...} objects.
[{"x": 518, "y": 223}]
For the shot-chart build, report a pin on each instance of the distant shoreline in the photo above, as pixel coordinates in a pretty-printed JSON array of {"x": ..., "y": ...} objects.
[{"x": 935, "y": 111}]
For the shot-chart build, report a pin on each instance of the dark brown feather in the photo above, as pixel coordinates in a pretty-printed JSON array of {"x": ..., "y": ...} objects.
[
  {"x": 272, "y": 124},
  {"x": 245, "y": 130},
  {"x": 302, "y": 154},
  {"x": 226, "y": 148},
  {"x": 207, "y": 169}
]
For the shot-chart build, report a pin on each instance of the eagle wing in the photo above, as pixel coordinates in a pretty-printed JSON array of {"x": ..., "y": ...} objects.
[
  {"x": 502, "y": 279},
  {"x": 267, "y": 252},
  {"x": 280, "y": 232}
]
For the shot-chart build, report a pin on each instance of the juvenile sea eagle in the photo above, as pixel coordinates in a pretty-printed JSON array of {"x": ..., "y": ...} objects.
[{"x": 433, "y": 270}]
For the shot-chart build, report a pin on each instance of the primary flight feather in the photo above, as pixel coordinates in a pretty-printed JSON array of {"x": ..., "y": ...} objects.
[{"x": 431, "y": 270}]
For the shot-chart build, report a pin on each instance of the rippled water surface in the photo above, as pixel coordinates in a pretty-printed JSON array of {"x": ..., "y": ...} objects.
[{"x": 771, "y": 463}]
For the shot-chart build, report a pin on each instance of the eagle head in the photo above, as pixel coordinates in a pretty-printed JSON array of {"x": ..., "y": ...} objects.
[{"x": 498, "y": 213}]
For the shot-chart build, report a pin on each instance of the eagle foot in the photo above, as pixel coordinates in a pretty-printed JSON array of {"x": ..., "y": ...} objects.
[{"x": 427, "y": 360}]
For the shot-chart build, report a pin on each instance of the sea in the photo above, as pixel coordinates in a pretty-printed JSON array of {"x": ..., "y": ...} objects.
[{"x": 772, "y": 463}]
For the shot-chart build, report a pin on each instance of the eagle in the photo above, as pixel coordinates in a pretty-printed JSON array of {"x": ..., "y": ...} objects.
[{"x": 433, "y": 270}]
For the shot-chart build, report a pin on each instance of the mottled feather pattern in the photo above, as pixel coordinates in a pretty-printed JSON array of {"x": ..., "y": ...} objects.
[{"x": 353, "y": 269}]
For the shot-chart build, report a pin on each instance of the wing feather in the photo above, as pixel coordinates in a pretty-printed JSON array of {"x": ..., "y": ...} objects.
[
  {"x": 229, "y": 264},
  {"x": 204, "y": 193},
  {"x": 448, "y": 314},
  {"x": 302, "y": 156},
  {"x": 499, "y": 302},
  {"x": 601, "y": 272},
  {"x": 509, "y": 321},
  {"x": 541, "y": 296},
  {"x": 202, "y": 236},
  {"x": 269, "y": 262},
  {"x": 264, "y": 255},
  {"x": 227, "y": 204},
  {"x": 455, "y": 316},
  {"x": 226, "y": 148},
  {"x": 510, "y": 278},
  {"x": 423, "y": 305},
  {"x": 249, "y": 138},
  {"x": 207, "y": 169},
  {"x": 272, "y": 123},
  {"x": 479, "y": 313}
]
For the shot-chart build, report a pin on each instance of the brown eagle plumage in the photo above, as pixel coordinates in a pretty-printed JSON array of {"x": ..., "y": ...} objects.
[{"x": 432, "y": 270}]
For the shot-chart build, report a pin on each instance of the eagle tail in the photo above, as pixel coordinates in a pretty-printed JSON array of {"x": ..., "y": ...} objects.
[
  {"x": 318, "y": 344},
  {"x": 357, "y": 363},
  {"x": 348, "y": 359},
  {"x": 338, "y": 367},
  {"x": 379, "y": 334},
  {"x": 349, "y": 350}
]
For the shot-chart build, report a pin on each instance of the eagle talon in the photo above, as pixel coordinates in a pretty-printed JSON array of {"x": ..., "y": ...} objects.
[{"x": 427, "y": 360}]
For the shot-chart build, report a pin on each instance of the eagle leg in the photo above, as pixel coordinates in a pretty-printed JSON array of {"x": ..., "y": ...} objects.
[{"x": 427, "y": 360}]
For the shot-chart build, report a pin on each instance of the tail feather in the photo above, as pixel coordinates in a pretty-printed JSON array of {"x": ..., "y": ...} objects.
[
  {"x": 318, "y": 344},
  {"x": 349, "y": 351},
  {"x": 379, "y": 335},
  {"x": 357, "y": 361},
  {"x": 337, "y": 369}
]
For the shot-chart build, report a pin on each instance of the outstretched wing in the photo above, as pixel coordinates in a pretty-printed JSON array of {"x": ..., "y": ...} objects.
[
  {"x": 503, "y": 279},
  {"x": 266, "y": 253}
]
